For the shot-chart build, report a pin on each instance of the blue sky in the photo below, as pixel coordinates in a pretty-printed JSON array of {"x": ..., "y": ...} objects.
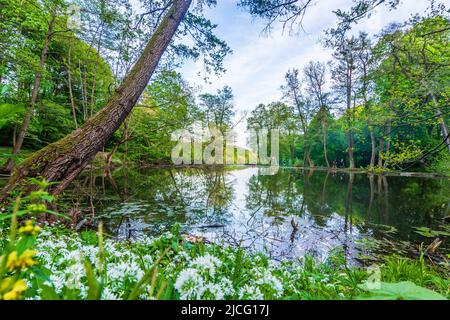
[{"x": 256, "y": 69}]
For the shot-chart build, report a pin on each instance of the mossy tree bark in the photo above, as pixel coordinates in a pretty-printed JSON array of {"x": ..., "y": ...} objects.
[{"x": 62, "y": 161}]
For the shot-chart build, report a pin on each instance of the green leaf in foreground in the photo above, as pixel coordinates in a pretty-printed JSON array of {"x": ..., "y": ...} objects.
[
  {"x": 400, "y": 291},
  {"x": 427, "y": 232}
]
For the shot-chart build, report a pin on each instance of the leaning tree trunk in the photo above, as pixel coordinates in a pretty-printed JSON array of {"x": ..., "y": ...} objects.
[
  {"x": 37, "y": 82},
  {"x": 62, "y": 161}
]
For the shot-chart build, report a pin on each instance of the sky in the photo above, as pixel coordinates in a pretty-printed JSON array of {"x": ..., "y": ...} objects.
[{"x": 256, "y": 68}]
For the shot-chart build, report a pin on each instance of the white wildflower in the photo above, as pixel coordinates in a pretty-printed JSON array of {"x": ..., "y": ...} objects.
[{"x": 190, "y": 284}]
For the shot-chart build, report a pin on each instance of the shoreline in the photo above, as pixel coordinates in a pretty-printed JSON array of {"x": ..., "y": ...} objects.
[
  {"x": 411, "y": 174},
  {"x": 337, "y": 170}
]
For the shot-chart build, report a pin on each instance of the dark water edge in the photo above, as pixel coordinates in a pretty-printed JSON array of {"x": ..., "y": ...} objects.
[{"x": 286, "y": 215}]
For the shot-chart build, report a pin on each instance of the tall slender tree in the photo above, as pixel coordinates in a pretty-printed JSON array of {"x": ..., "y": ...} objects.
[
  {"x": 315, "y": 76},
  {"x": 292, "y": 91},
  {"x": 18, "y": 141},
  {"x": 344, "y": 74}
]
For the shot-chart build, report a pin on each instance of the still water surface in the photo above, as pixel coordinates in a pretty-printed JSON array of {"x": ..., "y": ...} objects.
[{"x": 286, "y": 215}]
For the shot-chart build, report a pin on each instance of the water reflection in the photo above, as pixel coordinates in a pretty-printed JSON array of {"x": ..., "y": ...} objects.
[{"x": 286, "y": 215}]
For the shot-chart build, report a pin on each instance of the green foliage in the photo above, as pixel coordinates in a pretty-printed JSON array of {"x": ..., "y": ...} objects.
[
  {"x": 8, "y": 111},
  {"x": 34, "y": 204},
  {"x": 398, "y": 89},
  {"x": 400, "y": 291},
  {"x": 429, "y": 233},
  {"x": 218, "y": 108},
  {"x": 168, "y": 105},
  {"x": 440, "y": 164},
  {"x": 51, "y": 123}
]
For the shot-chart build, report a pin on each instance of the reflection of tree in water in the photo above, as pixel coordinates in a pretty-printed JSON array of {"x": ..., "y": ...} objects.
[
  {"x": 291, "y": 212},
  {"x": 134, "y": 199},
  {"x": 275, "y": 193},
  {"x": 219, "y": 191},
  {"x": 330, "y": 206}
]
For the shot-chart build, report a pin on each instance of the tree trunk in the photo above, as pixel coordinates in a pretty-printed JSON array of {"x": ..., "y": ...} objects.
[
  {"x": 292, "y": 151},
  {"x": 442, "y": 123},
  {"x": 85, "y": 93},
  {"x": 97, "y": 61},
  {"x": 37, "y": 81},
  {"x": 372, "y": 142},
  {"x": 350, "y": 150},
  {"x": 305, "y": 147},
  {"x": 69, "y": 83},
  {"x": 310, "y": 162},
  {"x": 349, "y": 130},
  {"x": 83, "y": 90},
  {"x": 380, "y": 153},
  {"x": 62, "y": 161},
  {"x": 324, "y": 138},
  {"x": 307, "y": 150},
  {"x": 388, "y": 142}
]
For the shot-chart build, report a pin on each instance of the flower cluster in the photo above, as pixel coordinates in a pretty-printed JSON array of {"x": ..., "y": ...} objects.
[
  {"x": 11, "y": 289},
  {"x": 22, "y": 261},
  {"x": 30, "y": 228},
  {"x": 166, "y": 266}
]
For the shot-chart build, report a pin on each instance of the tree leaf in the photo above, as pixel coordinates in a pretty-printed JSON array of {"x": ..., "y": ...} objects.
[{"x": 400, "y": 291}]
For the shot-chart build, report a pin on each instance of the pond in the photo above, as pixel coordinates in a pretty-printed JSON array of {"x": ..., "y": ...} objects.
[{"x": 286, "y": 215}]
